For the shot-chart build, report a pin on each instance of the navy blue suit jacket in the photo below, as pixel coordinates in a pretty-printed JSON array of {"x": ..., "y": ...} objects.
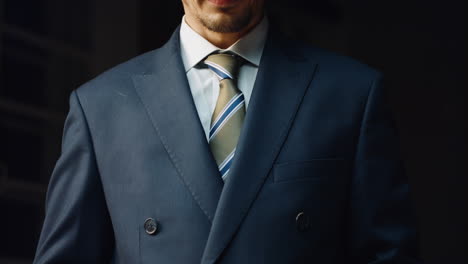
[{"x": 317, "y": 177}]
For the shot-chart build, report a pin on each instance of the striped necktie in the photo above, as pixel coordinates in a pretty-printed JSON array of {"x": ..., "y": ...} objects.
[{"x": 229, "y": 113}]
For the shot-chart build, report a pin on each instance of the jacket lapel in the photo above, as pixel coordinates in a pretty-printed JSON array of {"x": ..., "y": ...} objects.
[
  {"x": 282, "y": 80},
  {"x": 165, "y": 93}
]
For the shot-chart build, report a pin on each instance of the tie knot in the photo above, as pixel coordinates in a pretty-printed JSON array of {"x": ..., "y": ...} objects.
[{"x": 225, "y": 66}]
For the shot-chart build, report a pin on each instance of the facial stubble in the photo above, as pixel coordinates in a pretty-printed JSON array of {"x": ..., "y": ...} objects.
[{"x": 226, "y": 24}]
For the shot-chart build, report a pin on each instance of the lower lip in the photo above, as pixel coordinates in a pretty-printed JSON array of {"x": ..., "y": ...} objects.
[{"x": 222, "y": 2}]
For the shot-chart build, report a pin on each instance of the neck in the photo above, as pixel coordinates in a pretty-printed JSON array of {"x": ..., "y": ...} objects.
[{"x": 219, "y": 39}]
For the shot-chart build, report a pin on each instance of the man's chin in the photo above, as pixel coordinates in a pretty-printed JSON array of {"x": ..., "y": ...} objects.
[{"x": 224, "y": 23}]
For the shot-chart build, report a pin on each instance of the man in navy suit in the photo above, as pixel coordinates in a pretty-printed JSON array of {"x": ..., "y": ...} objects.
[{"x": 229, "y": 144}]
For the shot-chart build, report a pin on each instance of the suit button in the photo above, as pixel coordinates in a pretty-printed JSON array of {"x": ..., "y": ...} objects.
[
  {"x": 151, "y": 226},
  {"x": 302, "y": 222}
]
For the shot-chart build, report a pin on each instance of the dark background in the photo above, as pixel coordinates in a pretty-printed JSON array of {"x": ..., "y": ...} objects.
[{"x": 50, "y": 47}]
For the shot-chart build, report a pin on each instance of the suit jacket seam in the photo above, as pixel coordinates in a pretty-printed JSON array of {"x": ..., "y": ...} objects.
[
  {"x": 364, "y": 114},
  {"x": 88, "y": 129}
]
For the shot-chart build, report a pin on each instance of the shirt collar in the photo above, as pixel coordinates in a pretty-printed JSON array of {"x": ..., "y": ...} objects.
[{"x": 195, "y": 48}]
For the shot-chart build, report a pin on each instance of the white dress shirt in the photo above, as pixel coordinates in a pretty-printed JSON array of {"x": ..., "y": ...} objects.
[{"x": 203, "y": 83}]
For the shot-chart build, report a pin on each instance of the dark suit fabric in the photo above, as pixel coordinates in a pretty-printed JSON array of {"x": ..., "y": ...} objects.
[{"x": 318, "y": 138}]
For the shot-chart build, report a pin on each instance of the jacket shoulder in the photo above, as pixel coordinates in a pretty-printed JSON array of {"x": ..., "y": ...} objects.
[
  {"x": 338, "y": 75},
  {"x": 338, "y": 65},
  {"x": 119, "y": 77}
]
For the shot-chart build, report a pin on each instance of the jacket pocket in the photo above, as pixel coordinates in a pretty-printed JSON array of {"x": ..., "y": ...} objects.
[{"x": 310, "y": 170}]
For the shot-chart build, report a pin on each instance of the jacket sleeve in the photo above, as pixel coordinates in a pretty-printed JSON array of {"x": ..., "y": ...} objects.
[
  {"x": 382, "y": 225},
  {"x": 77, "y": 227}
]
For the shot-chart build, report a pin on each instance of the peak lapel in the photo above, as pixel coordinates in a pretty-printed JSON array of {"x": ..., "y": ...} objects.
[
  {"x": 165, "y": 93},
  {"x": 282, "y": 80}
]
